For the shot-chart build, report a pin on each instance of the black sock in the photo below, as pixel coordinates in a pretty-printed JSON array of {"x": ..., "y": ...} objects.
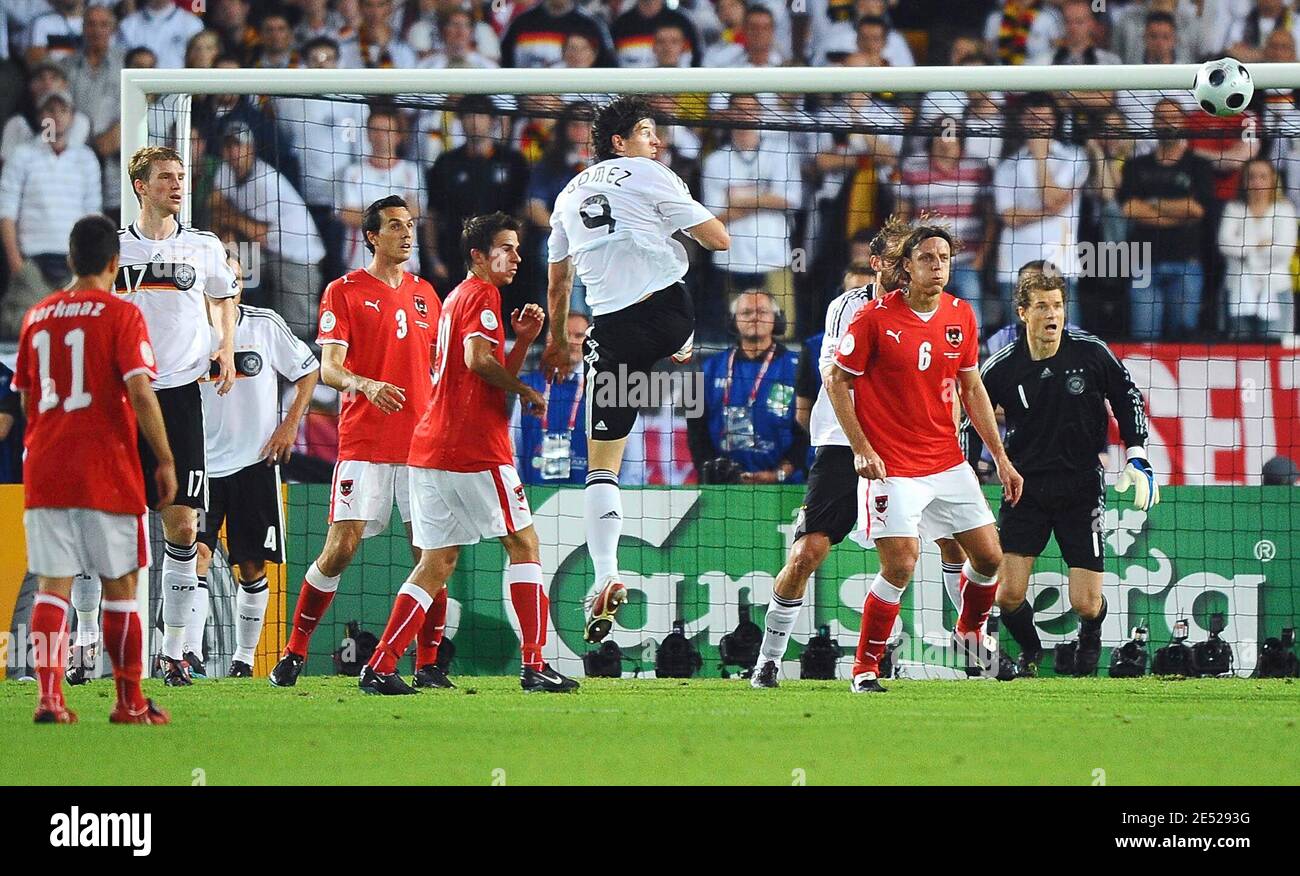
[
  {"x": 1020, "y": 621},
  {"x": 1093, "y": 627}
]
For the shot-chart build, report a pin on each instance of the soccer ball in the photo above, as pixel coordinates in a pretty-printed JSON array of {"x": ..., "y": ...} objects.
[{"x": 1223, "y": 87}]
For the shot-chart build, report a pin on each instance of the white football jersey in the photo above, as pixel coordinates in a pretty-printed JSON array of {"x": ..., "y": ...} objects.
[
  {"x": 617, "y": 219},
  {"x": 238, "y": 424},
  {"x": 823, "y": 426},
  {"x": 168, "y": 280}
]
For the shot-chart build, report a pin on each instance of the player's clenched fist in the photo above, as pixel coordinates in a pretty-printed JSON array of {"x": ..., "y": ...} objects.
[
  {"x": 556, "y": 363},
  {"x": 869, "y": 466},
  {"x": 527, "y": 323},
  {"x": 385, "y": 396},
  {"x": 534, "y": 403}
]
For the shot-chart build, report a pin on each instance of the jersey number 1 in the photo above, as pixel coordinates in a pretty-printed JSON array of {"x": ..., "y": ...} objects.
[{"x": 77, "y": 398}]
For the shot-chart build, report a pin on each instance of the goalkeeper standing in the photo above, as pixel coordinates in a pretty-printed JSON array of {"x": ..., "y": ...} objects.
[{"x": 1052, "y": 385}]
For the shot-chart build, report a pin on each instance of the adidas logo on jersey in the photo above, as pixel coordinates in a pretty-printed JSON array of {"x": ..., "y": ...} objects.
[
  {"x": 610, "y": 515},
  {"x": 1047, "y": 372}
]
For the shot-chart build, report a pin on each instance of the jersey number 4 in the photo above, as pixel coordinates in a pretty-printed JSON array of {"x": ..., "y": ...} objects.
[
  {"x": 77, "y": 397},
  {"x": 595, "y": 213}
]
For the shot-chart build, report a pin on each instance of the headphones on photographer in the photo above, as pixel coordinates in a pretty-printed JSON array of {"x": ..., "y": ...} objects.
[{"x": 779, "y": 324}]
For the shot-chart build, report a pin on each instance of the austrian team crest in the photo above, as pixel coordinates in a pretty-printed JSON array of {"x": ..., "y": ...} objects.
[
  {"x": 420, "y": 307},
  {"x": 882, "y": 502},
  {"x": 954, "y": 335},
  {"x": 345, "y": 488}
]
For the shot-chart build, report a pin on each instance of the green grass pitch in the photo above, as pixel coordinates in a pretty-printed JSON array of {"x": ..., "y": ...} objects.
[{"x": 704, "y": 731}]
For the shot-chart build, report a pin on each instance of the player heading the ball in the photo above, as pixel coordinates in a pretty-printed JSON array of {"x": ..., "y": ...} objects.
[
  {"x": 614, "y": 224},
  {"x": 84, "y": 369},
  {"x": 464, "y": 486},
  {"x": 376, "y": 331}
]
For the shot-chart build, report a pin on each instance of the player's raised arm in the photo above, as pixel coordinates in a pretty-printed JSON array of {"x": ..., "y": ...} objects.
[
  {"x": 527, "y": 324},
  {"x": 975, "y": 399},
  {"x": 556, "y": 361},
  {"x": 385, "y": 396},
  {"x": 139, "y": 392}
]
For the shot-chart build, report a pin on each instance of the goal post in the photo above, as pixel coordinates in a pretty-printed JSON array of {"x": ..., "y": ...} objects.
[{"x": 698, "y": 554}]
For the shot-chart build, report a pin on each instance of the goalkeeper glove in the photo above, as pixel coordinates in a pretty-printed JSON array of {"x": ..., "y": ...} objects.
[{"x": 1138, "y": 474}]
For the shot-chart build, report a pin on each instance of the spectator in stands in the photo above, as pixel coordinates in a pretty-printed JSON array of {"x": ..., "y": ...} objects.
[
  {"x": 756, "y": 46},
  {"x": 555, "y": 452},
  {"x": 1079, "y": 39},
  {"x": 203, "y": 50},
  {"x": 230, "y": 18},
  {"x": 753, "y": 185},
  {"x": 140, "y": 58},
  {"x": 946, "y": 183},
  {"x": 457, "y": 47},
  {"x": 327, "y": 135},
  {"x": 536, "y": 38},
  {"x": 46, "y": 78},
  {"x": 377, "y": 44},
  {"x": 1280, "y": 471},
  {"x": 251, "y": 201},
  {"x": 1174, "y": 40},
  {"x": 376, "y": 175},
  {"x": 567, "y": 154},
  {"x": 1009, "y": 34},
  {"x": 214, "y": 113},
  {"x": 731, "y": 17},
  {"x": 833, "y": 32},
  {"x": 1257, "y": 237},
  {"x": 11, "y": 75},
  {"x": 748, "y": 433},
  {"x": 94, "y": 80},
  {"x": 163, "y": 28},
  {"x": 870, "y": 46},
  {"x": 1165, "y": 195},
  {"x": 277, "y": 50},
  {"x": 56, "y": 35},
  {"x": 319, "y": 20},
  {"x": 11, "y": 430},
  {"x": 1104, "y": 300},
  {"x": 1248, "y": 33},
  {"x": 1037, "y": 192},
  {"x": 635, "y": 31},
  {"x": 46, "y": 185},
  {"x": 482, "y": 176},
  {"x": 580, "y": 52}
]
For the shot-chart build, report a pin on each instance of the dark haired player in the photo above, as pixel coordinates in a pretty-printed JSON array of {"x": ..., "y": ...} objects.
[
  {"x": 376, "y": 330},
  {"x": 1052, "y": 384},
  {"x": 464, "y": 486},
  {"x": 84, "y": 369},
  {"x": 613, "y": 224},
  {"x": 921, "y": 344}
]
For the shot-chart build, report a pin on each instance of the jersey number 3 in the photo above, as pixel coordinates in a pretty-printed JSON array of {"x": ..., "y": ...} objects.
[{"x": 595, "y": 213}]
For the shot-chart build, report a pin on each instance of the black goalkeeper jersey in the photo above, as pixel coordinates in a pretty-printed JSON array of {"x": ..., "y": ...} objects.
[{"x": 1055, "y": 408}]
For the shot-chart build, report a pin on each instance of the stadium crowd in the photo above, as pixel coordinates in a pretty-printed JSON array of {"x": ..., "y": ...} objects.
[{"x": 1211, "y": 215}]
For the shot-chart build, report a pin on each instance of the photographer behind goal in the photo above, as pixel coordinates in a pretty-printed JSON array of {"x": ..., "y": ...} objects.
[{"x": 1052, "y": 384}]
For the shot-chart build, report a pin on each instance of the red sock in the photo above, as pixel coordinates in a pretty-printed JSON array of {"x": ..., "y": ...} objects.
[
  {"x": 122, "y": 637},
  {"x": 878, "y": 618},
  {"x": 49, "y": 637},
  {"x": 532, "y": 607},
  {"x": 313, "y": 602},
  {"x": 403, "y": 624},
  {"x": 976, "y": 602},
  {"x": 430, "y": 635}
]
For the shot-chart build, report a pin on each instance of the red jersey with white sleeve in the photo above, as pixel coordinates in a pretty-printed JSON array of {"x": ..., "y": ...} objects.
[
  {"x": 387, "y": 332},
  {"x": 76, "y": 351},
  {"x": 906, "y": 365},
  {"x": 466, "y": 427}
]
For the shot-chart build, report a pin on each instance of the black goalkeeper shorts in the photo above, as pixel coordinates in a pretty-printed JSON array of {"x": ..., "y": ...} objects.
[{"x": 1067, "y": 506}]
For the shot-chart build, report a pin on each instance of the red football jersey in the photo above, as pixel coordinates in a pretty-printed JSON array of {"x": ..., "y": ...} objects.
[
  {"x": 75, "y": 353},
  {"x": 907, "y": 368},
  {"x": 466, "y": 427},
  {"x": 388, "y": 333}
]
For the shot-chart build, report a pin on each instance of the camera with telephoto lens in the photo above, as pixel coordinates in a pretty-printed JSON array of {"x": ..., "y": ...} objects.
[
  {"x": 722, "y": 470},
  {"x": 677, "y": 656},
  {"x": 1130, "y": 659},
  {"x": 605, "y": 662},
  {"x": 740, "y": 647},
  {"x": 1277, "y": 659},
  {"x": 1175, "y": 658},
  {"x": 1213, "y": 657},
  {"x": 820, "y": 656}
]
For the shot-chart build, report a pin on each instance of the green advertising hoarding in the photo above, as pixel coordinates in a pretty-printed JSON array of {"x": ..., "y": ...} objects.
[{"x": 698, "y": 553}]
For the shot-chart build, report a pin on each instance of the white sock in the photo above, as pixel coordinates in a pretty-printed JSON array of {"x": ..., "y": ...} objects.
[
  {"x": 781, "y": 616},
  {"x": 86, "y": 591},
  {"x": 180, "y": 581},
  {"x": 603, "y": 510},
  {"x": 250, "y": 612},
  {"x": 198, "y": 622},
  {"x": 952, "y": 583}
]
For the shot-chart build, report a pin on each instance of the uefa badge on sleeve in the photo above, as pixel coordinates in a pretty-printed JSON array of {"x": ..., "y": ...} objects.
[{"x": 327, "y": 321}]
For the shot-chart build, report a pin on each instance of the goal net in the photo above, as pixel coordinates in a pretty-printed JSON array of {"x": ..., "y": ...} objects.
[{"x": 1175, "y": 231}]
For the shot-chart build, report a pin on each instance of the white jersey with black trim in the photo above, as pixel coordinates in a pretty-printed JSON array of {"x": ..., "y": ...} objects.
[
  {"x": 823, "y": 426},
  {"x": 237, "y": 425},
  {"x": 617, "y": 219},
  {"x": 168, "y": 280}
]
